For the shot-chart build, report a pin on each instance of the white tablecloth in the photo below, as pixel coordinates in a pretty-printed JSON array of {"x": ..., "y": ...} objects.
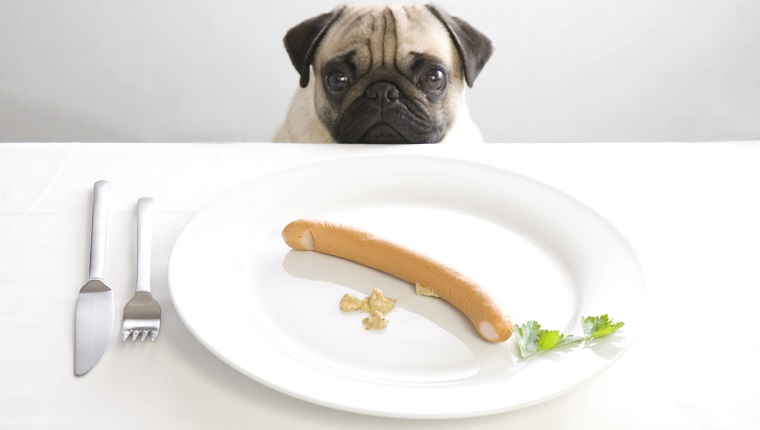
[{"x": 691, "y": 212}]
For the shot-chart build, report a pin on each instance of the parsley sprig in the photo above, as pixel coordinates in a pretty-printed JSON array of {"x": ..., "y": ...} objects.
[{"x": 533, "y": 339}]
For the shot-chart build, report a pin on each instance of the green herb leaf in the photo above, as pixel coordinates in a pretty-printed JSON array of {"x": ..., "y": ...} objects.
[
  {"x": 532, "y": 338},
  {"x": 595, "y": 327},
  {"x": 527, "y": 338},
  {"x": 548, "y": 339}
]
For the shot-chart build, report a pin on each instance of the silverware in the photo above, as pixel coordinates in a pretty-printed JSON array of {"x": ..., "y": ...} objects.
[
  {"x": 95, "y": 308},
  {"x": 142, "y": 315}
]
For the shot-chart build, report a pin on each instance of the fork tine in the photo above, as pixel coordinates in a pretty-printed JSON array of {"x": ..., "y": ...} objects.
[
  {"x": 153, "y": 335},
  {"x": 135, "y": 333},
  {"x": 124, "y": 334},
  {"x": 144, "y": 334}
]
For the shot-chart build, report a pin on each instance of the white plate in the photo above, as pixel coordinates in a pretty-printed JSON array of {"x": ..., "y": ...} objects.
[{"x": 272, "y": 313}]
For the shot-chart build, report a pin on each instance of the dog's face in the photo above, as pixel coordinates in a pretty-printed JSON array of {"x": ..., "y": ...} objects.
[{"x": 387, "y": 74}]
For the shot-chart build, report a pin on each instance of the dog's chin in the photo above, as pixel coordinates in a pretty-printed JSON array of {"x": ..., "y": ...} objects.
[
  {"x": 385, "y": 131},
  {"x": 382, "y": 133}
]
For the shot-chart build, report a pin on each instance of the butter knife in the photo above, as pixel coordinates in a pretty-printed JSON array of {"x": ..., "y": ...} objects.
[{"x": 95, "y": 307}]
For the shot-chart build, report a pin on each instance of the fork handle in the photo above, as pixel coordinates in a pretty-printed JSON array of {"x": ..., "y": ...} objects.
[
  {"x": 144, "y": 238},
  {"x": 100, "y": 200}
]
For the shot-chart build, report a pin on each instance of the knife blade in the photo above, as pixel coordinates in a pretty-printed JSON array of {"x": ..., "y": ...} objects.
[{"x": 95, "y": 307}]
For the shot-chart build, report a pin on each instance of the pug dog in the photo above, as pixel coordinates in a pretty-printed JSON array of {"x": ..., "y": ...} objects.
[{"x": 383, "y": 74}]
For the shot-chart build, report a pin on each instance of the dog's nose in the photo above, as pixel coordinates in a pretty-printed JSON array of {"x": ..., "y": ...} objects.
[{"x": 385, "y": 91}]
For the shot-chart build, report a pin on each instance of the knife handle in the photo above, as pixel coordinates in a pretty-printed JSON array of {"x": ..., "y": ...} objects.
[
  {"x": 100, "y": 201},
  {"x": 144, "y": 238}
]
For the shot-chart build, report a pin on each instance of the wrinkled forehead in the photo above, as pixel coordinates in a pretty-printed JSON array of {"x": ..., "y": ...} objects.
[{"x": 390, "y": 36}]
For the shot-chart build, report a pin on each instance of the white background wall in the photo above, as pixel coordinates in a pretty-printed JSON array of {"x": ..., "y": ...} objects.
[{"x": 216, "y": 70}]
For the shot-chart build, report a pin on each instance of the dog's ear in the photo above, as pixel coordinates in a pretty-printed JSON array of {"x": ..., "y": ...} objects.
[
  {"x": 302, "y": 41},
  {"x": 473, "y": 46}
]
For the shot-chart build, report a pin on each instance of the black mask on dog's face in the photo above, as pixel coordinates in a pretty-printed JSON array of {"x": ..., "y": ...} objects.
[
  {"x": 393, "y": 76},
  {"x": 385, "y": 105}
]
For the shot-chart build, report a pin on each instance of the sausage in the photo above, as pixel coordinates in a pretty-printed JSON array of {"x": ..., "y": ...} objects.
[{"x": 367, "y": 249}]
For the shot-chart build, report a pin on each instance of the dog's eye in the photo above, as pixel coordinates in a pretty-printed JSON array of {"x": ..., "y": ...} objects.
[
  {"x": 336, "y": 82},
  {"x": 433, "y": 80}
]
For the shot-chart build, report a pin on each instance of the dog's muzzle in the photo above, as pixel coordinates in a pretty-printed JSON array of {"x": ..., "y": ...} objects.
[{"x": 385, "y": 115}]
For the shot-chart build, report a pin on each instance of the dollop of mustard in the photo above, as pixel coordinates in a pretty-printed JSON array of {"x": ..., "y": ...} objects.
[
  {"x": 424, "y": 291},
  {"x": 376, "y": 304}
]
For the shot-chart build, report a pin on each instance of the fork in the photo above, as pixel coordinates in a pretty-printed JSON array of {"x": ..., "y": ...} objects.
[{"x": 142, "y": 315}]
